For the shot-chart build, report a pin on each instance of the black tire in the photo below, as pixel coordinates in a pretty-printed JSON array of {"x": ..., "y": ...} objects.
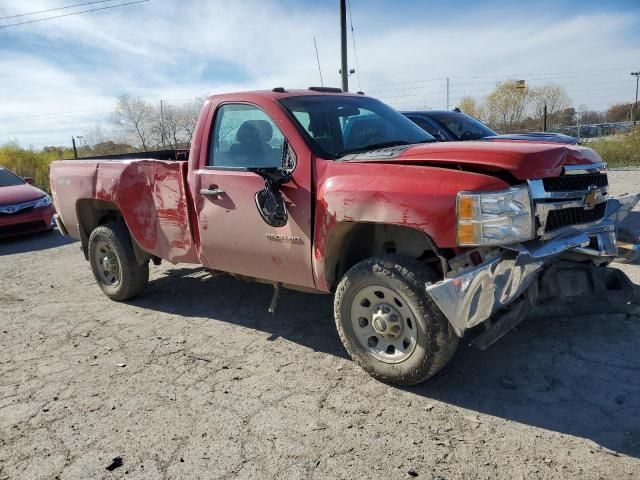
[
  {"x": 436, "y": 341},
  {"x": 132, "y": 277}
]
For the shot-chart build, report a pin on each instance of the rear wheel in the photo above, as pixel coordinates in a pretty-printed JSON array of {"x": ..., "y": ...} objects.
[
  {"x": 114, "y": 263},
  {"x": 389, "y": 324}
]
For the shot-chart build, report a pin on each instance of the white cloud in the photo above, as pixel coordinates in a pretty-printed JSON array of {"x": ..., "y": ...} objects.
[{"x": 160, "y": 49}]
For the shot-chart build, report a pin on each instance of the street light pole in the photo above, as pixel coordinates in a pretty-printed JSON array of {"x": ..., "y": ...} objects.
[{"x": 634, "y": 110}]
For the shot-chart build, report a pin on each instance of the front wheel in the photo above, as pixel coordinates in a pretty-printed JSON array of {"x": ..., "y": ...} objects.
[
  {"x": 389, "y": 324},
  {"x": 114, "y": 263}
]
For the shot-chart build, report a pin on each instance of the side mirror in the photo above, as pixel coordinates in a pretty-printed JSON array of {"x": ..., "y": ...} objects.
[
  {"x": 269, "y": 201},
  {"x": 439, "y": 135},
  {"x": 29, "y": 180}
]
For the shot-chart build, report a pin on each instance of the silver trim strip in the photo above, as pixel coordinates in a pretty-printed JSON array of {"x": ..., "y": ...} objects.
[
  {"x": 13, "y": 208},
  {"x": 577, "y": 169}
]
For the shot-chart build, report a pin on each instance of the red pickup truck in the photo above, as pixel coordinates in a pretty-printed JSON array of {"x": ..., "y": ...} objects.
[{"x": 320, "y": 190}]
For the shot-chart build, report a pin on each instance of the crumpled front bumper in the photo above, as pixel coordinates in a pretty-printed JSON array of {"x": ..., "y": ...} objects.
[{"x": 473, "y": 296}]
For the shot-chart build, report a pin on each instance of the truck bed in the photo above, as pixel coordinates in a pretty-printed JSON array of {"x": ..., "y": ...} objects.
[
  {"x": 151, "y": 194},
  {"x": 154, "y": 155}
]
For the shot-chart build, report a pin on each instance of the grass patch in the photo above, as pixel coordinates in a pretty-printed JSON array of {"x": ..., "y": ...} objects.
[
  {"x": 32, "y": 163},
  {"x": 619, "y": 150}
]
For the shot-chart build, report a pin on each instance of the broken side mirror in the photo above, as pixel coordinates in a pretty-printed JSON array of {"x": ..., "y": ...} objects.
[{"x": 269, "y": 200}]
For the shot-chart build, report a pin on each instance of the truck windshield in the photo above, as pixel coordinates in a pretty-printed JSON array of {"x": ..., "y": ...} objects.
[
  {"x": 338, "y": 125},
  {"x": 8, "y": 179}
]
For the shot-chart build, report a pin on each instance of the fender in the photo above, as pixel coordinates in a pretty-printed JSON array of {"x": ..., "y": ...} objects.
[{"x": 422, "y": 198}]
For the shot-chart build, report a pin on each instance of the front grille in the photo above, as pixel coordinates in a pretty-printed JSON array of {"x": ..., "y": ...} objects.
[
  {"x": 568, "y": 183},
  {"x": 574, "y": 216},
  {"x": 24, "y": 210},
  {"x": 22, "y": 228}
]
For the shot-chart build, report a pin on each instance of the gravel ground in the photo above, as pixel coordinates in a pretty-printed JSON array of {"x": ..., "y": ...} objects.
[{"x": 195, "y": 379}]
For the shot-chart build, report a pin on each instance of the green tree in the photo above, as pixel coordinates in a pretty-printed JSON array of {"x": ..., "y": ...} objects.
[
  {"x": 473, "y": 107},
  {"x": 507, "y": 106}
]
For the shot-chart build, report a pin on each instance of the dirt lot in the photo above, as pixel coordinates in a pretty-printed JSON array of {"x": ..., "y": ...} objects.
[{"x": 196, "y": 379}]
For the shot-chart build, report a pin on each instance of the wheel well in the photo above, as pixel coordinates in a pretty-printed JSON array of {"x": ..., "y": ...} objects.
[
  {"x": 93, "y": 213},
  {"x": 352, "y": 242}
]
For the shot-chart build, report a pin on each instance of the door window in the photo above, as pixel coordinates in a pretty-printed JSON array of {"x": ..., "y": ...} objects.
[{"x": 244, "y": 136}]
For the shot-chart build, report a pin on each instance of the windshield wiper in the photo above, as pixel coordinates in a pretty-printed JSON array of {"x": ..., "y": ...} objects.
[
  {"x": 374, "y": 146},
  {"x": 377, "y": 146}
]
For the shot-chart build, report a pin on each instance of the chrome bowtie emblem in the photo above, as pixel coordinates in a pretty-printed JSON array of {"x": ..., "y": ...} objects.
[{"x": 591, "y": 198}]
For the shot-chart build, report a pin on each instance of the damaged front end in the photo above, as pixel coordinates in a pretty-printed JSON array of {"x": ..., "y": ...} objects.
[{"x": 578, "y": 232}]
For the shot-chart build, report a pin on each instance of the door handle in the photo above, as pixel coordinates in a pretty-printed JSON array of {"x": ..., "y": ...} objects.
[{"x": 216, "y": 192}]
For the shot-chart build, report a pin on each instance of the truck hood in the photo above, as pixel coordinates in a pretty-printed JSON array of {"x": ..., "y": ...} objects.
[
  {"x": 522, "y": 160},
  {"x": 19, "y": 194}
]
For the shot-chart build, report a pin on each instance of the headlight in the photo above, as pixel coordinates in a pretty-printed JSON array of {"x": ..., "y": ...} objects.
[
  {"x": 43, "y": 202},
  {"x": 494, "y": 218}
]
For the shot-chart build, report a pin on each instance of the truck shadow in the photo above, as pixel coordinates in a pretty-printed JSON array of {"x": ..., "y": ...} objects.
[
  {"x": 575, "y": 376},
  {"x": 306, "y": 319},
  {"x": 33, "y": 242}
]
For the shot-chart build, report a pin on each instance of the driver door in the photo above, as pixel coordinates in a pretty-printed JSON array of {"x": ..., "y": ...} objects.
[{"x": 233, "y": 235}]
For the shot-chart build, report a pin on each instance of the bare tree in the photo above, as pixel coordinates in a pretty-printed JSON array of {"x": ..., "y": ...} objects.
[
  {"x": 95, "y": 134},
  {"x": 191, "y": 112},
  {"x": 136, "y": 117},
  {"x": 620, "y": 112},
  {"x": 176, "y": 124},
  {"x": 556, "y": 99}
]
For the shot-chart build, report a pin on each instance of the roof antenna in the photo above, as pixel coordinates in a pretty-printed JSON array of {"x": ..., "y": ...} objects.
[{"x": 318, "y": 59}]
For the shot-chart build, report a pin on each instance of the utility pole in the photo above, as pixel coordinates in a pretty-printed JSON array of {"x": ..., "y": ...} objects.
[
  {"x": 75, "y": 151},
  {"x": 544, "y": 116},
  {"x": 343, "y": 45},
  {"x": 634, "y": 110},
  {"x": 447, "y": 93}
]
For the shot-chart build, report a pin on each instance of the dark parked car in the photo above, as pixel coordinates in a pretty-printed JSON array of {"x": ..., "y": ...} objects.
[
  {"x": 23, "y": 207},
  {"x": 455, "y": 126}
]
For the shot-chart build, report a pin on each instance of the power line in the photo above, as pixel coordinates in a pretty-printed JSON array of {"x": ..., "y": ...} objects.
[
  {"x": 355, "y": 52},
  {"x": 570, "y": 85},
  {"x": 70, "y": 14},
  {"x": 509, "y": 75},
  {"x": 50, "y": 115},
  {"x": 87, "y": 112},
  {"x": 54, "y": 9}
]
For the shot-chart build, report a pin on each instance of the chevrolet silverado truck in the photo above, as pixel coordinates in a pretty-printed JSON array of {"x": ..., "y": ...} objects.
[{"x": 419, "y": 241}]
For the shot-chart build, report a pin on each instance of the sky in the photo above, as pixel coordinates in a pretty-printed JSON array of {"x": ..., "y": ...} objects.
[{"x": 60, "y": 77}]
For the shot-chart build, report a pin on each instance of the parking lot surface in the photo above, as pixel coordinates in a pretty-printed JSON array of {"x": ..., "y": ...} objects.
[{"x": 195, "y": 379}]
